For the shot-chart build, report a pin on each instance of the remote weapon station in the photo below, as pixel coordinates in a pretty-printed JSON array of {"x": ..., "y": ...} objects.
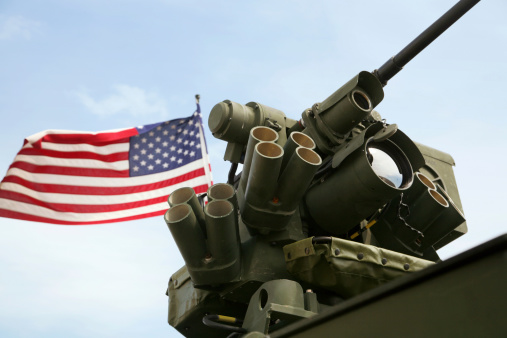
[{"x": 326, "y": 217}]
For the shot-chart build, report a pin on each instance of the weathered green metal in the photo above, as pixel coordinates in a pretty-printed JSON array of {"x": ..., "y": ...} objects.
[
  {"x": 426, "y": 209},
  {"x": 257, "y": 134},
  {"x": 352, "y": 193},
  {"x": 266, "y": 162},
  {"x": 276, "y": 300},
  {"x": 186, "y": 195},
  {"x": 420, "y": 185},
  {"x": 270, "y": 202},
  {"x": 330, "y": 122},
  {"x": 296, "y": 178},
  {"x": 187, "y": 234},
  {"x": 221, "y": 191},
  {"x": 232, "y": 122},
  {"x": 223, "y": 241},
  {"x": 438, "y": 168},
  {"x": 350, "y": 104},
  {"x": 450, "y": 220},
  {"x": 268, "y": 236},
  {"x": 418, "y": 222},
  {"x": 261, "y": 186},
  {"x": 187, "y": 306},
  {"x": 215, "y": 259},
  {"x": 295, "y": 140}
]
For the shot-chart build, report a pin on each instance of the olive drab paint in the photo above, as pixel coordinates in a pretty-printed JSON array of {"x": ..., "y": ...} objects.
[{"x": 332, "y": 214}]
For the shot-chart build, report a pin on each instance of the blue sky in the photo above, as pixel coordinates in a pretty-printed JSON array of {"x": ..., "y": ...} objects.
[{"x": 97, "y": 65}]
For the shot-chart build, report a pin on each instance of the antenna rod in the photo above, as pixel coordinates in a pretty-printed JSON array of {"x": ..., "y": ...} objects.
[{"x": 396, "y": 63}]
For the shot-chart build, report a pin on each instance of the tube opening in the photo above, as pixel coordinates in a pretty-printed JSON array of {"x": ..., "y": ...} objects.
[
  {"x": 264, "y": 134},
  {"x": 177, "y": 213},
  {"x": 426, "y": 181},
  {"x": 361, "y": 100},
  {"x": 439, "y": 198},
  {"x": 309, "y": 156},
  {"x": 269, "y": 149},
  {"x": 221, "y": 191},
  {"x": 302, "y": 140},
  {"x": 181, "y": 195},
  {"x": 219, "y": 208}
]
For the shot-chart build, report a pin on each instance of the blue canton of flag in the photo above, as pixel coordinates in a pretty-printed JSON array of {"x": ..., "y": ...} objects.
[{"x": 165, "y": 146}]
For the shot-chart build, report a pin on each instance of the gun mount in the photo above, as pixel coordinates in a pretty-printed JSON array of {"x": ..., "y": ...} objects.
[{"x": 337, "y": 203}]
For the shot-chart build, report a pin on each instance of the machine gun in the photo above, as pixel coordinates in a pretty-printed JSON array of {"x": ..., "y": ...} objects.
[{"x": 336, "y": 204}]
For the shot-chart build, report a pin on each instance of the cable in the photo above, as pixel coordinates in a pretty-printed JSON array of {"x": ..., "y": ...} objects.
[{"x": 232, "y": 173}]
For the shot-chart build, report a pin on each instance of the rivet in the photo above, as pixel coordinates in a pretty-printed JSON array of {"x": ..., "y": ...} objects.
[
  {"x": 289, "y": 255},
  {"x": 384, "y": 261},
  {"x": 337, "y": 252},
  {"x": 307, "y": 251},
  {"x": 360, "y": 255},
  {"x": 406, "y": 266}
]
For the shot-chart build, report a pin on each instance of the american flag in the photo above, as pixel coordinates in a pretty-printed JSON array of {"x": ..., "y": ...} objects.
[{"x": 69, "y": 177}]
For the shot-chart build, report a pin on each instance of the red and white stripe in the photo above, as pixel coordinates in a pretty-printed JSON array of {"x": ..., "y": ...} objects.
[{"x": 67, "y": 177}]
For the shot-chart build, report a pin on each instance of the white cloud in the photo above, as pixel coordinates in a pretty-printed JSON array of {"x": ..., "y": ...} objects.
[
  {"x": 17, "y": 27},
  {"x": 126, "y": 100}
]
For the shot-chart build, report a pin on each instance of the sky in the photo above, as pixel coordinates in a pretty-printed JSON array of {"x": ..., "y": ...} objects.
[{"x": 93, "y": 65}]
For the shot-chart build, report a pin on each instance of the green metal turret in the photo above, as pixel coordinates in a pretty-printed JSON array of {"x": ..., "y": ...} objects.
[{"x": 327, "y": 209}]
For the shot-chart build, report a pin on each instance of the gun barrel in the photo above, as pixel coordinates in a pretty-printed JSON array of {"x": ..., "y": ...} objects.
[{"x": 397, "y": 62}]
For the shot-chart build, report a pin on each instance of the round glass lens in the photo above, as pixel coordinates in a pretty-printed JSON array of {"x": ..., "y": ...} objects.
[{"x": 385, "y": 167}]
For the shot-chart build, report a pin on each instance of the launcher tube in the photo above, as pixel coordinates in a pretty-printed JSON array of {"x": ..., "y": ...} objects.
[
  {"x": 223, "y": 237},
  {"x": 296, "y": 178},
  {"x": 266, "y": 162},
  {"x": 186, "y": 195},
  {"x": 295, "y": 140},
  {"x": 187, "y": 234},
  {"x": 419, "y": 186},
  {"x": 257, "y": 134}
]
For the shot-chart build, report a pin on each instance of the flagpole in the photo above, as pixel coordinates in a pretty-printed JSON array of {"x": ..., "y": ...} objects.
[{"x": 204, "y": 150}]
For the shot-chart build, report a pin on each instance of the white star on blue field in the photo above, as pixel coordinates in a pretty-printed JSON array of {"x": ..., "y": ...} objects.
[{"x": 165, "y": 146}]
